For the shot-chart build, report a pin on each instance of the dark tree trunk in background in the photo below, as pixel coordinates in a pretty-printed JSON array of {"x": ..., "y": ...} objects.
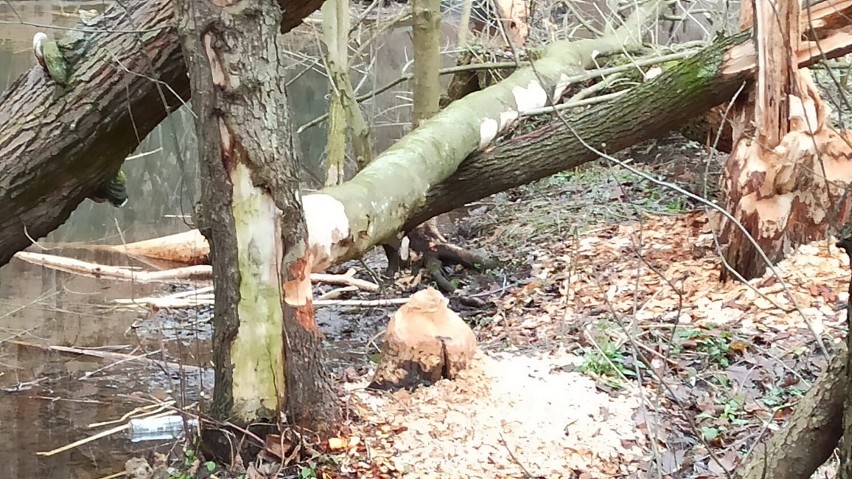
[{"x": 252, "y": 215}]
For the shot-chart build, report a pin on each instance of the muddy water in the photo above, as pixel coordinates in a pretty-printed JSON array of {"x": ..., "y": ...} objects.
[{"x": 49, "y": 399}]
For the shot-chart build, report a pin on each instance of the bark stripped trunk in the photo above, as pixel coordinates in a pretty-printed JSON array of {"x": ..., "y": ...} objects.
[
  {"x": 514, "y": 15},
  {"x": 787, "y": 169},
  {"x": 252, "y": 216}
]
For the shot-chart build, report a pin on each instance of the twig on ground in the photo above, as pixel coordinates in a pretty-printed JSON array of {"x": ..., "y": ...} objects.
[
  {"x": 347, "y": 279},
  {"x": 74, "y": 266},
  {"x": 362, "y": 303},
  {"x": 527, "y": 473},
  {"x": 336, "y": 293}
]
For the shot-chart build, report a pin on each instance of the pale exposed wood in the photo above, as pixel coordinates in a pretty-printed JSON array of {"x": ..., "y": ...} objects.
[
  {"x": 56, "y": 148},
  {"x": 777, "y": 41},
  {"x": 347, "y": 279},
  {"x": 189, "y": 248},
  {"x": 787, "y": 169},
  {"x": 425, "y": 341},
  {"x": 371, "y": 225},
  {"x": 514, "y": 14}
]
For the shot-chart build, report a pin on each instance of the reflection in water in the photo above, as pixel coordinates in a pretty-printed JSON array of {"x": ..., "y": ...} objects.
[{"x": 50, "y": 398}]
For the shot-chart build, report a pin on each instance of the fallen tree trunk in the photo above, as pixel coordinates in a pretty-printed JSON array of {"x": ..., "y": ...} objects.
[
  {"x": 649, "y": 111},
  {"x": 57, "y": 145}
]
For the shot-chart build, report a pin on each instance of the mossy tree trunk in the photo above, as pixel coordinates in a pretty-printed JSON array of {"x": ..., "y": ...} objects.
[
  {"x": 345, "y": 118},
  {"x": 266, "y": 343},
  {"x": 335, "y": 35}
]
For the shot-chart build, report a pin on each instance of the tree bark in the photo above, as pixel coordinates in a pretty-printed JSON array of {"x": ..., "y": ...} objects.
[
  {"x": 845, "y": 471},
  {"x": 344, "y": 115},
  {"x": 811, "y": 433},
  {"x": 426, "y": 36},
  {"x": 252, "y": 215}
]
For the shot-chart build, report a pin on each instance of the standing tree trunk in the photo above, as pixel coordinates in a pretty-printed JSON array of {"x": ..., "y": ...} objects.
[
  {"x": 426, "y": 31},
  {"x": 252, "y": 216},
  {"x": 426, "y": 20},
  {"x": 780, "y": 180},
  {"x": 344, "y": 115},
  {"x": 335, "y": 34}
]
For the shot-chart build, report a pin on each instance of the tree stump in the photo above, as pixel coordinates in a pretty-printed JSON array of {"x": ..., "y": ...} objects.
[{"x": 425, "y": 341}]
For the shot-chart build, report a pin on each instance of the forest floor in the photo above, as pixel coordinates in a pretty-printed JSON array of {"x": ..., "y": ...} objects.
[{"x": 608, "y": 347}]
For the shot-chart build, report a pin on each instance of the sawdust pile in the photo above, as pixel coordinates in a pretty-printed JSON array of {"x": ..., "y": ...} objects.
[{"x": 507, "y": 416}]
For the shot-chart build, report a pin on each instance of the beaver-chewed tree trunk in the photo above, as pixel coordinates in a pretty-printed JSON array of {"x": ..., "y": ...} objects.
[
  {"x": 784, "y": 178},
  {"x": 252, "y": 215},
  {"x": 425, "y": 342}
]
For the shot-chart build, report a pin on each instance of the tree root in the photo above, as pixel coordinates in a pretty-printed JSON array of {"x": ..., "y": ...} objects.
[{"x": 428, "y": 248}]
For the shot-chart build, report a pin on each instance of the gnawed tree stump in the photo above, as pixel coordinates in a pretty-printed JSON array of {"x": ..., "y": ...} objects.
[
  {"x": 786, "y": 177},
  {"x": 425, "y": 341}
]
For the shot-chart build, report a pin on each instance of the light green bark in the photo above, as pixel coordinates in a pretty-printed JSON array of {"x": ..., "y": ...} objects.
[
  {"x": 257, "y": 351},
  {"x": 345, "y": 115},
  {"x": 426, "y": 19},
  {"x": 335, "y": 28}
]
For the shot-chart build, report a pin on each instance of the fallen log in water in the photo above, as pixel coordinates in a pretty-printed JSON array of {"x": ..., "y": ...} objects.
[{"x": 200, "y": 272}]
